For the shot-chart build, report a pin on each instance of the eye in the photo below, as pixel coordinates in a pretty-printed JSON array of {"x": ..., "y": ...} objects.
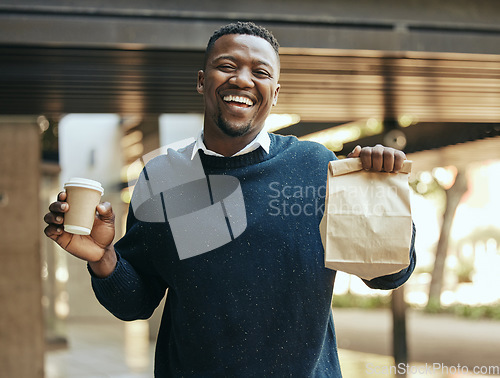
[
  {"x": 226, "y": 67},
  {"x": 262, "y": 73}
]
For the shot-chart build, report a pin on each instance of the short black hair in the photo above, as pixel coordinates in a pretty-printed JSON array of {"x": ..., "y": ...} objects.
[{"x": 240, "y": 27}]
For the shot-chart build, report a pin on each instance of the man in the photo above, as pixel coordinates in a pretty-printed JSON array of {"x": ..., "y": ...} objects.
[{"x": 260, "y": 304}]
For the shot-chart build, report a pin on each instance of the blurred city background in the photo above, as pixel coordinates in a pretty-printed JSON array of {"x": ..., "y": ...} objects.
[{"x": 87, "y": 89}]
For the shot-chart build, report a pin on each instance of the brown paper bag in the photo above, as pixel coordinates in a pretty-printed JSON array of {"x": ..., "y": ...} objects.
[{"x": 366, "y": 228}]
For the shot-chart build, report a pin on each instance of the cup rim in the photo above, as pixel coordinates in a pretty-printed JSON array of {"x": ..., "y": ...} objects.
[{"x": 84, "y": 183}]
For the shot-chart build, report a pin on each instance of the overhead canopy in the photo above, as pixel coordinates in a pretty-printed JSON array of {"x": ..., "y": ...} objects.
[
  {"x": 320, "y": 86},
  {"x": 122, "y": 57},
  {"x": 450, "y": 97}
]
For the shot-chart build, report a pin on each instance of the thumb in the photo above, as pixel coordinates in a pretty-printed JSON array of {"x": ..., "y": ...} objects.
[
  {"x": 355, "y": 152},
  {"x": 105, "y": 213},
  {"x": 103, "y": 231}
]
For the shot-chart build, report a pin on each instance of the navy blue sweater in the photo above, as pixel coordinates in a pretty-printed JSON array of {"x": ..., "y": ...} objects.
[{"x": 257, "y": 306}]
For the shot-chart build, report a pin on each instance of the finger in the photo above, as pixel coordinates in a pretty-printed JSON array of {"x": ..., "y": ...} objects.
[
  {"x": 355, "y": 152},
  {"x": 388, "y": 160},
  {"x": 399, "y": 158},
  {"x": 62, "y": 196},
  {"x": 53, "y": 231},
  {"x": 59, "y": 207},
  {"x": 103, "y": 231},
  {"x": 57, "y": 233},
  {"x": 377, "y": 158},
  {"x": 105, "y": 212},
  {"x": 366, "y": 157},
  {"x": 53, "y": 218}
]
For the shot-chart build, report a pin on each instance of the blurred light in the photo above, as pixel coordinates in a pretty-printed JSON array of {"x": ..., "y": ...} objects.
[
  {"x": 62, "y": 274},
  {"x": 45, "y": 271},
  {"x": 448, "y": 298},
  {"x": 426, "y": 177},
  {"x": 406, "y": 120},
  {"x": 467, "y": 251},
  {"x": 336, "y": 146},
  {"x": 137, "y": 344},
  {"x": 395, "y": 139},
  {"x": 335, "y": 137},
  {"x": 418, "y": 298},
  {"x": 445, "y": 176},
  {"x": 126, "y": 195},
  {"x": 61, "y": 305},
  {"x": 131, "y": 172},
  {"x": 43, "y": 123},
  {"x": 342, "y": 283},
  {"x": 279, "y": 121},
  {"x": 424, "y": 278},
  {"x": 421, "y": 187},
  {"x": 374, "y": 125},
  {"x": 451, "y": 262}
]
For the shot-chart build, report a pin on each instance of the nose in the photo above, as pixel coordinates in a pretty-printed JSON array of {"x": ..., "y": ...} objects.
[{"x": 242, "y": 78}]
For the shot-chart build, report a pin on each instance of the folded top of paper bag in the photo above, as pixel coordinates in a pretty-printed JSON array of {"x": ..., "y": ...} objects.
[{"x": 344, "y": 166}]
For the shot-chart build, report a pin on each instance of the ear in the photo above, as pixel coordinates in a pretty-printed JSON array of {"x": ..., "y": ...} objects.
[
  {"x": 201, "y": 81},
  {"x": 275, "y": 99}
]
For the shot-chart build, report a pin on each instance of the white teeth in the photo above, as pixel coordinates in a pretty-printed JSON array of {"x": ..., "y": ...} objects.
[{"x": 240, "y": 99}]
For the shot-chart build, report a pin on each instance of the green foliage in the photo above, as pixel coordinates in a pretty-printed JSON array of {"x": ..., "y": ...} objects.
[
  {"x": 359, "y": 301},
  {"x": 476, "y": 312},
  {"x": 467, "y": 311},
  {"x": 433, "y": 307}
]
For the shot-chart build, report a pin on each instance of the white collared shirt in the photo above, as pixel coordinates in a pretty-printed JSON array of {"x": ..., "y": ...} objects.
[{"x": 261, "y": 140}]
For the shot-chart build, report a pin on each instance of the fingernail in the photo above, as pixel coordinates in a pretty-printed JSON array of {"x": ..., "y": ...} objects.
[
  {"x": 64, "y": 206},
  {"x": 59, "y": 230},
  {"x": 58, "y": 219}
]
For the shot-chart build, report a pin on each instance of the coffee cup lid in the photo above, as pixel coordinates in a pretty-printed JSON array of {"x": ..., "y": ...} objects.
[{"x": 85, "y": 183}]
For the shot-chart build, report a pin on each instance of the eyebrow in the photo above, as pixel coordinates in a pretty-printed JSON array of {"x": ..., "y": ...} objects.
[
  {"x": 221, "y": 57},
  {"x": 234, "y": 59}
]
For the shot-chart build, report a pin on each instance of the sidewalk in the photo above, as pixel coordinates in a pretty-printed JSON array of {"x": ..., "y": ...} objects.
[
  {"x": 116, "y": 349},
  {"x": 103, "y": 349},
  {"x": 444, "y": 340}
]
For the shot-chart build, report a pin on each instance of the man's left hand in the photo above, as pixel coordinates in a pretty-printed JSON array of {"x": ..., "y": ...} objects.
[{"x": 379, "y": 158}]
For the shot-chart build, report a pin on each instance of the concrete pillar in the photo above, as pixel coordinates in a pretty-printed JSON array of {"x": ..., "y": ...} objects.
[{"x": 21, "y": 319}]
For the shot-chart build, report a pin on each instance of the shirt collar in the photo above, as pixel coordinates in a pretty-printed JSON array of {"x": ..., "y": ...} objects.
[{"x": 261, "y": 140}]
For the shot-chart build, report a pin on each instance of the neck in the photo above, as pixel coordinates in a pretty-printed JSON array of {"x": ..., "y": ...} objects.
[
  {"x": 224, "y": 144},
  {"x": 245, "y": 160}
]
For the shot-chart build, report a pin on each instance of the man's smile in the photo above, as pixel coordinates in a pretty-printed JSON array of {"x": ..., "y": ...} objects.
[{"x": 238, "y": 100}]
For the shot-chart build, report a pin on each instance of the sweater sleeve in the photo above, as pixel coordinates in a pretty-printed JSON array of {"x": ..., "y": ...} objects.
[
  {"x": 393, "y": 281},
  {"x": 134, "y": 289}
]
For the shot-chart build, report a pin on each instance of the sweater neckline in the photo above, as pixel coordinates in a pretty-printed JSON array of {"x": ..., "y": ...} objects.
[{"x": 254, "y": 157}]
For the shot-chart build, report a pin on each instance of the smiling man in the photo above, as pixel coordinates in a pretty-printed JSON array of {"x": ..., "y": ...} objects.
[
  {"x": 240, "y": 86},
  {"x": 259, "y": 305}
]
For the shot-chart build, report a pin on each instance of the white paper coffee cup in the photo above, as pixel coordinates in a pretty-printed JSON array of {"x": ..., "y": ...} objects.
[{"x": 82, "y": 195}]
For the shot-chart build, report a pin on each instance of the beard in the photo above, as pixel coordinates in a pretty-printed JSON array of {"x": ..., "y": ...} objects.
[{"x": 231, "y": 129}]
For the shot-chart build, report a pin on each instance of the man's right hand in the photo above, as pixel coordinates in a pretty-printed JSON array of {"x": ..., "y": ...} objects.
[{"x": 95, "y": 248}]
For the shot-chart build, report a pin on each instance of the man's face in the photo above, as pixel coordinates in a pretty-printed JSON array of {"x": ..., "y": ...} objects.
[{"x": 239, "y": 84}]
